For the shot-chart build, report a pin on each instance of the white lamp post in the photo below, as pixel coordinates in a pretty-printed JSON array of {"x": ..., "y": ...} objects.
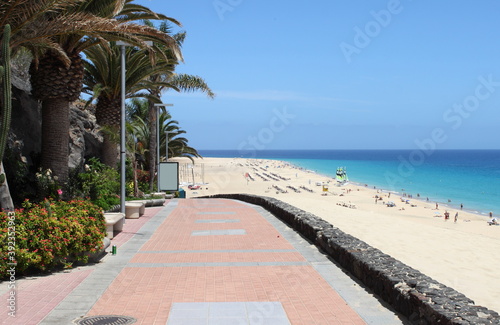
[
  {"x": 123, "y": 150},
  {"x": 158, "y": 143}
]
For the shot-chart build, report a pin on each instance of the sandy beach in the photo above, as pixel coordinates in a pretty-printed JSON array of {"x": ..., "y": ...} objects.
[{"x": 461, "y": 254}]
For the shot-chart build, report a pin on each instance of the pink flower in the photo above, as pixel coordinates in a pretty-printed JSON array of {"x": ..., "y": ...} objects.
[{"x": 59, "y": 191}]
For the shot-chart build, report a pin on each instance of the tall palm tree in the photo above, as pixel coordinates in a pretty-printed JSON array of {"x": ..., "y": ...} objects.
[
  {"x": 57, "y": 79},
  {"x": 178, "y": 82},
  {"x": 30, "y": 31},
  {"x": 102, "y": 81}
]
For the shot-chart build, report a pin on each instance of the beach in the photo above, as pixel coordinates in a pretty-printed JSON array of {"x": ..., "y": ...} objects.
[{"x": 461, "y": 254}]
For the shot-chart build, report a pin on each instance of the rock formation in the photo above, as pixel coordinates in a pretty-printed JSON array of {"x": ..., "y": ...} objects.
[{"x": 25, "y": 136}]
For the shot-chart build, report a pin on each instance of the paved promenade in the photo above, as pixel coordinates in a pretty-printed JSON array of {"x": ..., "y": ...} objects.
[{"x": 205, "y": 261}]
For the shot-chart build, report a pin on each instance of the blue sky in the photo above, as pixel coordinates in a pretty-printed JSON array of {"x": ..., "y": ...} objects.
[{"x": 339, "y": 74}]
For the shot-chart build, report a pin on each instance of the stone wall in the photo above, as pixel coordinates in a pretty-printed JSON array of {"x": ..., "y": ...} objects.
[{"x": 413, "y": 294}]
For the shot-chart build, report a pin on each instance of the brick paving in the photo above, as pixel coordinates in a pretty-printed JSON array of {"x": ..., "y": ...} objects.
[
  {"x": 37, "y": 296},
  {"x": 147, "y": 291},
  {"x": 224, "y": 261}
]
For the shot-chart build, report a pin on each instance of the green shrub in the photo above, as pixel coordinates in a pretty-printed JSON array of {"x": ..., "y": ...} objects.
[
  {"x": 98, "y": 182},
  {"x": 107, "y": 201},
  {"x": 50, "y": 235}
]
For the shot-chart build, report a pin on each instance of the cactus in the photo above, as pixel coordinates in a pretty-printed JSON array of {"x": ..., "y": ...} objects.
[
  {"x": 7, "y": 92},
  {"x": 6, "y": 109}
]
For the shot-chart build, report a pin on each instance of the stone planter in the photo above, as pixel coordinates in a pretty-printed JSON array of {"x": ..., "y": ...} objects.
[
  {"x": 114, "y": 223},
  {"x": 157, "y": 202},
  {"x": 160, "y": 194},
  {"x": 147, "y": 203},
  {"x": 133, "y": 210}
]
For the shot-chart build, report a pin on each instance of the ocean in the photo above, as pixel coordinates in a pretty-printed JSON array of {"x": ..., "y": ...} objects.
[{"x": 449, "y": 177}]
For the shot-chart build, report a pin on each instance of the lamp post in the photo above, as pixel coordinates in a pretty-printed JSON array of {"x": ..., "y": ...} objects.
[
  {"x": 158, "y": 143},
  {"x": 123, "y": 150},
  {"x": 166, "y": 144}
]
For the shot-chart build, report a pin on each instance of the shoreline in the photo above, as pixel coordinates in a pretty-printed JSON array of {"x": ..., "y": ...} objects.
[
  {"x": 422, "y": 199},
  {"x": 458, "y": 254}
]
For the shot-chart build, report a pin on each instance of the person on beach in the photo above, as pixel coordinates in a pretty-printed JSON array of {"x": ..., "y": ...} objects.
[
  {"x": 437, "y": 206},
  {"x": 461, "y": 206},
  {"x": 456, "y": 217},
  {"x": 446, "y": 215}
]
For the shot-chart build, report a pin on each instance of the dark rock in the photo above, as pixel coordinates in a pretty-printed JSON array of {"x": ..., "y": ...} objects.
[
  {"x": 26, "y": 128},
  {"x": 85, "y": 140}
]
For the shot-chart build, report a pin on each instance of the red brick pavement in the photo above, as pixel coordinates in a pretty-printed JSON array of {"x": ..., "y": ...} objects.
[{"x": 146, "y": 290}]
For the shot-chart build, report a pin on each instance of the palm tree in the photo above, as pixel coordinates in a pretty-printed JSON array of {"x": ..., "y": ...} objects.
[
  {"x": 28, "y": 31},
  {"x": 102, "y": 81},
  {"x": 57, "y": 72},
  {"x": 178, "y": 82},
  {"x": 137, "y": 112},
  {"x": 136, "y": 147},
  {"x": 177, "y": 145},
  {"x": 138, "y": 135}
]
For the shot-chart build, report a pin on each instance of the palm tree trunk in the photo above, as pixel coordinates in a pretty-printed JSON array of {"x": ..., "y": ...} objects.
[
  {"x": 109, "y": 151},
  {"x": 5, "y": 197},
  {"x": 55, "y": 137},
  {"x": 152, "y": 145},
  {"x": 136, "y": 184}
]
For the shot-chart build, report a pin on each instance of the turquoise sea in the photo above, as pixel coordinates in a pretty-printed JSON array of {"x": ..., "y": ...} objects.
[{"x": 450, "y": 177}]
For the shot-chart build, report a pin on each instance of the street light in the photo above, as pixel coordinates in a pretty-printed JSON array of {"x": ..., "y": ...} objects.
[
  {"x": 122, "y": 124},
  {"x": 158, "y": 143},
  {"x": 166, "y": 144}
]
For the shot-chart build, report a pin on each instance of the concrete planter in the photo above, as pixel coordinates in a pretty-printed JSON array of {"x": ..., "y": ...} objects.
[
  {"x": 133, "y": 210},
  {"x": 157, "y": 202},
  {"x": 160, "y": 194},
  {"x": 152, "y": 202},
  {"x": 114, "y": 223}
]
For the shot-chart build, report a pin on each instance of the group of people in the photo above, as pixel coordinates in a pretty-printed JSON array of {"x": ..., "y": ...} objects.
[{"x": 447, "y": 216}]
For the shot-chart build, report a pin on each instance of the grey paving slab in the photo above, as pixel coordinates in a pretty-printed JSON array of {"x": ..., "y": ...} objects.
[
  {"x": 217, "y": 221},
  {"x": 213, "y": 264},
  {"x": 222, "y": 251},
  {"x": 231, "y": 313},
  {"x": 219, "y": 232},
  {"x": 212, "y": 212}
]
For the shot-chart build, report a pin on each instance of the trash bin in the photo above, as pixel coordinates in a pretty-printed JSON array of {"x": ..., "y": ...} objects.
[{"x": 182, "y": 194}]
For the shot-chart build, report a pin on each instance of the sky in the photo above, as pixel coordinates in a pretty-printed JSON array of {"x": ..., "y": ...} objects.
[{"x": 339, "y": 74}]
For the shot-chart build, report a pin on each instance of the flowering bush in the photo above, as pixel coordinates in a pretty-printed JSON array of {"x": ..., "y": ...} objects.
[
  {"x": 100, "y": 183},
  {"x": 46, "y": 185},
  {"x": 49, "y": 235}
]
